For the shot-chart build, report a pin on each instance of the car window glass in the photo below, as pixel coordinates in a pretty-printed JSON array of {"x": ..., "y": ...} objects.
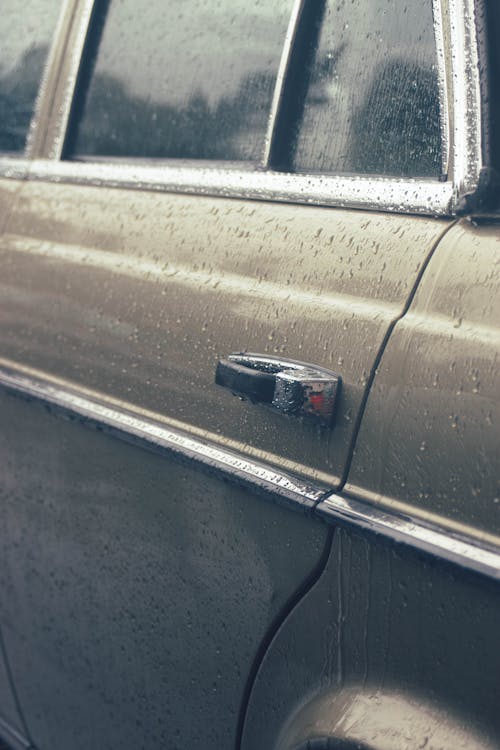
[
  {"x": 25, "y": 36},
  {"x": 191, "y": 79},
  {"x": 372, "y": 103}
]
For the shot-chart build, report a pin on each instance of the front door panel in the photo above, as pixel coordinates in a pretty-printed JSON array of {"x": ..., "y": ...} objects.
[{"x": 138, "y": 295}]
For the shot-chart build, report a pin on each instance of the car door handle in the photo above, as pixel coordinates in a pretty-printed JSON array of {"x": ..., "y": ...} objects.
[{"x": 291, "y": 387}]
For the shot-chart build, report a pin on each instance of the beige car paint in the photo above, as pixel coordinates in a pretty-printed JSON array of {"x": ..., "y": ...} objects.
[
  {"x": 138, "y": 294},
  {"x": 429, "y": 442}
]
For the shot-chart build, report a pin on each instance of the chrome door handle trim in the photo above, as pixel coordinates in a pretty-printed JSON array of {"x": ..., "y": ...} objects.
[{"x": 292, "y": 387}]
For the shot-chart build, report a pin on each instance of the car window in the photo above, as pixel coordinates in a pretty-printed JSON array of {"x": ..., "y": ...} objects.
[
  {"x": 196, "y": 80},
  {"x": 187, "y": 80},
  {"x": 372, "y": 101},
  {"x": 24, "y": 44}
]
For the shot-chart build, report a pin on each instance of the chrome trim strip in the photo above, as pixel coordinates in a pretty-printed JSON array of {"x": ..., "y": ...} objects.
[
  {"x": 137, "y": 429},
  {"x": 156, "y": 436},
  {"x": 369, "y": 193},
  {"x": 43, "y": 105},
  {"x": 13, "y": 168},
  {"x": 66, "y": 91},
  {"x": 437, "y": 12},
  {"x": 404, "y": 530},
  {"x": 466, "y": 157},
  {"x": 286, "y": 55}
]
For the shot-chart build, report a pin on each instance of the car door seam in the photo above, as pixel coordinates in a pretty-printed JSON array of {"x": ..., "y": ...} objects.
[{"x": 381, "y": 350}]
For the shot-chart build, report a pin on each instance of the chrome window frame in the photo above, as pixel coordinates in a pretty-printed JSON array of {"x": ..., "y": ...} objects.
[
  {"x": 461, "y": 119},
  {"x": 50, "y": 76},
  {"x": 16, "y": 165},
  {"x": 279, "y": 87}
]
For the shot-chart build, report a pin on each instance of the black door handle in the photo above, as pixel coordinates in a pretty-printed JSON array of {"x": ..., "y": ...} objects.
[{"x": 286, "y": 385}]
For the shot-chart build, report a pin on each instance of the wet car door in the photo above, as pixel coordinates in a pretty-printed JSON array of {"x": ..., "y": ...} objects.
[{"x": 180, "y": 207}]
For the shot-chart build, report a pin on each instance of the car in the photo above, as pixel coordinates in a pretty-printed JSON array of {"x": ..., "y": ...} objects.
[{"x": 249, "y": 381}]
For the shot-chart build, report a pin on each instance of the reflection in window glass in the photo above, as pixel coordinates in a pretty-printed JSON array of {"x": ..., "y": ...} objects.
[
  {"x": 25, "y": 36},
  {"x": 191, "y": 79},
  {"x": 372, "y": 104}
]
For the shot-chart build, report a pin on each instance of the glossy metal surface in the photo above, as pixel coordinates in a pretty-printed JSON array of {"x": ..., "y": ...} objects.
[
  {"x": 296, "y": 388},
  {"x": 145, "y": 588},
  {"x": 139, "y": 567},
  {"x": 358, "y": 718},
  {"x": 465, "y": 99},
  {"x": 439, "y": 542},
  {"x": 389, "y": 650},
  {"x": 123, "y": 423},
  {"x": 14, "y": 169},
  {"x": 370, "y": 193},
  {"x": 49, "y": 82},
  {"x": 429, "y": 443},
  {"x": 155, "y": 436},
  {"x": 55, "y": 123},
  {"x": 8, "y": 197},
  {"x": 114, "y": 273},
  {"x": 444, "y": 103},
  {"x": 291, "y": 34}
]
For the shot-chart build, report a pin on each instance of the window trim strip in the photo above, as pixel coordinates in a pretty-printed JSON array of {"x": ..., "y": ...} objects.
[
  {"x": 281, "y": 76},
  {"x": 444, "y": 103},
  {"x": 368, "y": 193},
  {"x": 41, "y": 115},
  {"x": 466, "y": 129},
  {"x": 65, "y": 86}
]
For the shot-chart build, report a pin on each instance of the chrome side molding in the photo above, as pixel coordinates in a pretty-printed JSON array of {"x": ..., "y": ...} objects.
[
  {"x": 441, "y": 543},
  {"x": 127, "y": 424},
  {"x": 160, "y": 438}
]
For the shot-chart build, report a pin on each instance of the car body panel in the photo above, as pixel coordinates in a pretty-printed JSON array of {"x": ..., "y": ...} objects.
[
  {"x": 115, "y": 273},
  {"x": 135, "y": 295},
  {"x": 390, "y": 649},
  {"x": 407, "y": 655},
  {"x": 137, "y": 606},
  {"x": 149, "y": 589},
  {"x": 429, "y": 444}
]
